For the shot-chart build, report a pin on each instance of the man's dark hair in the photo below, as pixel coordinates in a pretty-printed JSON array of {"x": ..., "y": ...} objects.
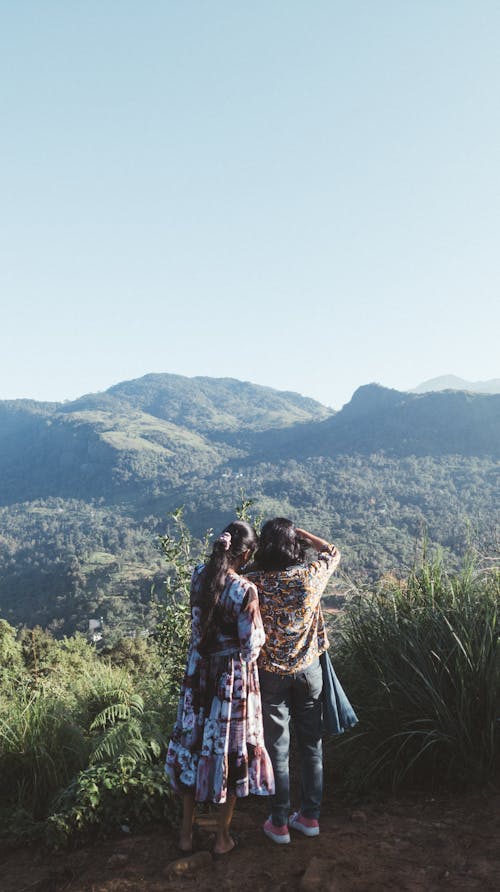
[{"x": 279, "y": 546}]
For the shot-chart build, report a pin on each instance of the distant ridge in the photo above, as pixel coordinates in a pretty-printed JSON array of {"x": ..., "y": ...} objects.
[
  {"x": 451, "y": 382},
  {"x": 378, "y": 419}
]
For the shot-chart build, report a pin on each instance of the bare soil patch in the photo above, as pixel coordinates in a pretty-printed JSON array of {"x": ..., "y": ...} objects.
[{"x": 414, "y": 844}]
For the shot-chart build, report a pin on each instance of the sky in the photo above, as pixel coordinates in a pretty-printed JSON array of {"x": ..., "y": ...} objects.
[{"x": 303, "y": 195}]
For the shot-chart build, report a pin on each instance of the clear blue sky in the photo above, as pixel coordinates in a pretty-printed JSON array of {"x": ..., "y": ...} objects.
[{"x": 300, "y": 194}]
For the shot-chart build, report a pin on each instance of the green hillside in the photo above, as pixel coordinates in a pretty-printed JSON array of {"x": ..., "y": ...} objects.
[
  {"x": 206, "y": 405},
  {"x": 87, "y": 487}
]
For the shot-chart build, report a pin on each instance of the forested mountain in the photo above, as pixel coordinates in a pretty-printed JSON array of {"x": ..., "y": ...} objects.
[
  {"x": 378, "y": 419},
  {"x": 205, "y": 405},
  {"x": 87, "y": 486}
]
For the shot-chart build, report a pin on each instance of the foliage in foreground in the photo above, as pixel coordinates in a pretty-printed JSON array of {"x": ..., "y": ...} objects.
[
  {"x": 421, "y": 662},
  {"x": 122, "y": 794},
  {"x": 81, "y": 741},
  {"x": 82, "y": 734},
  {"x": 173, "y": 623}
]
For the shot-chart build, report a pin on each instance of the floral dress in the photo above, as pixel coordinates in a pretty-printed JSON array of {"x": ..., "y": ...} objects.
[{"x": 217, "y": 745}]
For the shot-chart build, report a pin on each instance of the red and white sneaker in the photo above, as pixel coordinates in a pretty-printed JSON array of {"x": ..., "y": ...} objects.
[
  {"x": 277, "y": 834},
  {"x": 307, "y": 826}
]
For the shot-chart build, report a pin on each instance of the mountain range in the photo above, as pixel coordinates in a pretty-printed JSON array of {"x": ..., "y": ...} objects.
[
  {"x": 87, "y": 486},
  {"x": 451, "y": 382}
]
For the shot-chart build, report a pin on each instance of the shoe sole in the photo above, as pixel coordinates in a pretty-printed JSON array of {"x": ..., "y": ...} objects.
[
  {"x": 280, "y": 840},
  {"x": 306, "y": 831}
]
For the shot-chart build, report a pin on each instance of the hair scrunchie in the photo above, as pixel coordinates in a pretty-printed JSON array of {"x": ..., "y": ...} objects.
[{"x": 226, "y": 539}]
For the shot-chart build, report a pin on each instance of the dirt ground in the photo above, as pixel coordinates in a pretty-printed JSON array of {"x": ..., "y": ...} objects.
[{"x": 419, "y": 844}]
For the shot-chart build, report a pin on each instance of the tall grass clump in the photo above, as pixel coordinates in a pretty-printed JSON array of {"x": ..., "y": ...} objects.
[
  {"x": 41, "y": 748},
  {"x": 421, "y": 662}
]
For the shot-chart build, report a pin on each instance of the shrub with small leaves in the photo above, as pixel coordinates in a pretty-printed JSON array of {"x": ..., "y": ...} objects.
[
  {"x": 173, "y": 618},
  {"x": 105, "y": 798}
]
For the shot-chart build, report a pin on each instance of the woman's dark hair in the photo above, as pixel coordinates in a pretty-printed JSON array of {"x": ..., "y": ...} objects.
[
  {"x": 279, "y": 546},
  {"x": 234, "y": 540}
]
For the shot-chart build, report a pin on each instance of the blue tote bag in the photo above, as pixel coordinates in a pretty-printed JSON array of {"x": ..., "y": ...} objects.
[{"x": 338, "y": 714}]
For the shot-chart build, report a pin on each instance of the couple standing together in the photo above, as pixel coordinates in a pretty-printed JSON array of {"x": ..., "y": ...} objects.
[{"x": 253, "y": 665}]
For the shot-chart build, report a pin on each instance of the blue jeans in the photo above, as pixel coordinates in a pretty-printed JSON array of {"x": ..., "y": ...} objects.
[{"x": 296, "y": 697}]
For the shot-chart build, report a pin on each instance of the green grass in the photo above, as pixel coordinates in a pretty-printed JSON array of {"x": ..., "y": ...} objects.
[
  {"x": 138, "y": 431},
  {"x": 41, "y": 748},
  {"x": 420, "y": 661}
]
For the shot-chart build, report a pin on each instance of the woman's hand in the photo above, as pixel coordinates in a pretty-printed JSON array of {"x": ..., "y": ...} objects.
[{"x": 315, "y": 541}]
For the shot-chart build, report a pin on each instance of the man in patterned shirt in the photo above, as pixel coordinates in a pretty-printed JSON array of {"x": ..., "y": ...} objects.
[{"x": 290, "y": 674}]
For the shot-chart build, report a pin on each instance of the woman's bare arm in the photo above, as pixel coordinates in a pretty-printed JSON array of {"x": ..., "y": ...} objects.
[{"x": 315, "y": 541}]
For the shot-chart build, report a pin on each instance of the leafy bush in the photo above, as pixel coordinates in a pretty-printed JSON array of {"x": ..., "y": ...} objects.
[
  {"x": 124, "y": 783},
  {"x": 420, "y": 661},
  {"x": 106, "y": 797},
  {"x": 10, "y": 651},
  {"x": 125, "y": 728},
  {"x": 69, "y": 722},
  {"x": 173, "y": 616}
]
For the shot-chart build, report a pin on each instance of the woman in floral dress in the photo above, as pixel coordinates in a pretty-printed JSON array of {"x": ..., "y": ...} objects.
[{"x": 217, "y": 751}]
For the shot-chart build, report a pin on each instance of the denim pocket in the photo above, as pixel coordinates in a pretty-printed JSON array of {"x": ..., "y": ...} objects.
[{"x": 313, "y": 676}]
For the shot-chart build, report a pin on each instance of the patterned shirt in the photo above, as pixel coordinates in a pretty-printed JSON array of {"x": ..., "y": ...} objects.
[{"x": 290, "y": 606}]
